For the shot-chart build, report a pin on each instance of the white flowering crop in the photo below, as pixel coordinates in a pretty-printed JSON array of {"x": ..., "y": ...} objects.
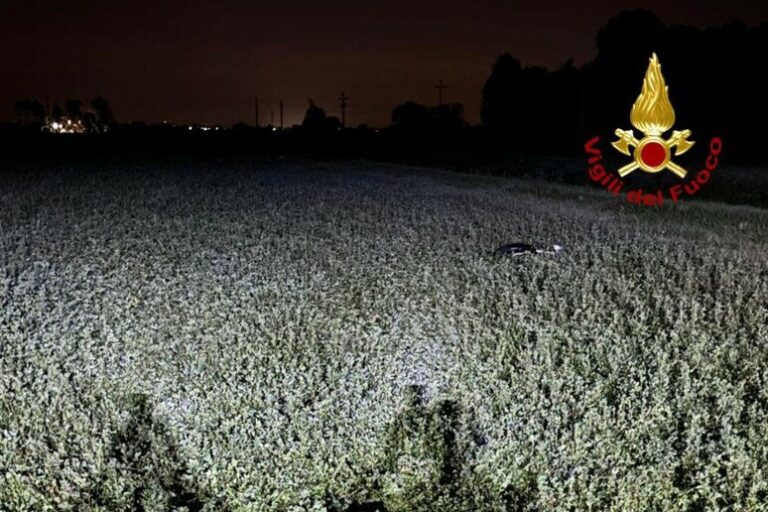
[{"x": 278, "y": 335}]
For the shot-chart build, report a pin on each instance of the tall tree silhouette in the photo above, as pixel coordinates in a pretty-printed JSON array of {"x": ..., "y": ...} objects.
[
  {"x": 567, "y": 107},
  {"x": 499, "y": 106},
  {"x": 74, "y": 108},
  {"x": 103, "y": 111},
  {"x": 713, "y": 85},
  {"x": 57, "y": 112},
  {"x": 623, "y": 48},
  {"x": 316, "y": 120},
  {"x": 517, "y": 104}
]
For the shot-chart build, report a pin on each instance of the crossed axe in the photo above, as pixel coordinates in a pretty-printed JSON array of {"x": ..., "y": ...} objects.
[{"x": 677, "y": 140}]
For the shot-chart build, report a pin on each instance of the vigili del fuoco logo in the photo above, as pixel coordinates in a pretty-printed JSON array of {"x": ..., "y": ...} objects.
[{"x": 652, "y": 115}]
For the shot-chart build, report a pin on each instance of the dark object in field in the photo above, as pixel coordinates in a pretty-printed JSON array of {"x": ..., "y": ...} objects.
[
  {"x": 371, "y": 506},
  {"x": 518, "y": 249}
]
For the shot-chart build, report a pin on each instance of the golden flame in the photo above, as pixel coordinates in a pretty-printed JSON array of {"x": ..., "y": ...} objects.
[{"x": 652, "y": 112}]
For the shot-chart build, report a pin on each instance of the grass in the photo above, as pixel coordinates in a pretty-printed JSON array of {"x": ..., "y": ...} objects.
[{"x": 285, "y": 335}]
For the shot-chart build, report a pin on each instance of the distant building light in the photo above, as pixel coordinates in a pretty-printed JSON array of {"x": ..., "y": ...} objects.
[
  {"x": 274, "y": 128},
  {"x": 67, "y": 126}
]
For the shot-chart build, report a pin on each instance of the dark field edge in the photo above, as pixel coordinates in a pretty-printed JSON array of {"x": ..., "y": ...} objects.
[{"x": 739, "y": 181}]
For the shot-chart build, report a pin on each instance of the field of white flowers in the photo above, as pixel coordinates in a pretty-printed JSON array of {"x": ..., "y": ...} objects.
[{"x": 283, "y": 335}]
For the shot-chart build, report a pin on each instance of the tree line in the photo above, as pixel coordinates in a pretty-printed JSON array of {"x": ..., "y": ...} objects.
[
  {"x": 715, "y": 78},
  {"x": 95, "y": 116}
]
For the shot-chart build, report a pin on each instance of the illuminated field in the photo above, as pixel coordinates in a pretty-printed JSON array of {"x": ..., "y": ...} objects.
[{"x": 277, "y": 335}]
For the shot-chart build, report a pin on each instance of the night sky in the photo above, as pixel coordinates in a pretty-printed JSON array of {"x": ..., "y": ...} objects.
[{"x": 203, "y": 61}]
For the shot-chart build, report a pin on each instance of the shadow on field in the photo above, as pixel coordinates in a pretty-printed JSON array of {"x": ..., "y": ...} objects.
[
  {"x": 148, "y": 471},
  {"x": 429, "y": 464},
  {"x": 431, "y": 460}
]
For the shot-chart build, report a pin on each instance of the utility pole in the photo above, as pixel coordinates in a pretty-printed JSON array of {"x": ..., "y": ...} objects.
[
  {"x": 343, "y": 104},
  {"x": 256, "y": 111},
  {"x": 281, "y": 114},
  {"x": 440, "y": 88}
]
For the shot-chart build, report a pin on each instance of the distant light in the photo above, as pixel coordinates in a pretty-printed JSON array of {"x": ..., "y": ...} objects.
[
  {"x": 67, "y": 126},
  {"x": 190, "y": 128},
  {"x": 274, "y": 128}
]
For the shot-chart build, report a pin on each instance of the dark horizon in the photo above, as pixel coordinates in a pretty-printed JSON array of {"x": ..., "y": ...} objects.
[{"x": 196, "y": 62}]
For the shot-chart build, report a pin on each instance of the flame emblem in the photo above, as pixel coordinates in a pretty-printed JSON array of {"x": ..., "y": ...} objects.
[{"x": 652, "y": 114}]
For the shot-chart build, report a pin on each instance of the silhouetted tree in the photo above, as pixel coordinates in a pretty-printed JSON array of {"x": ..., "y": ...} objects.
[
  {"x": 567, "y": 107},
  {"x": 498, "y": 108},
  {"x": 314, "y": 116},
  {"x": 333, "y": 123},
  {"x": 711, "y": 75},
  {"x": 103, "y": 111},
  {"x": 623, "y": 48},
  {"x": 241, "y": 127},
  {"x": 448, "y": 117},
  {"x": 29, "y": 112},
  {"x": 316, "y": 120},
  {"x": 57, "y": 112},
  {"x": 415, "y": 120},
  {"x": 91, "y": 122},
  {"x": 518, "y": 104},
  {"x": 412, "y": 117},
  {"x": 74, "y": 108}
]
